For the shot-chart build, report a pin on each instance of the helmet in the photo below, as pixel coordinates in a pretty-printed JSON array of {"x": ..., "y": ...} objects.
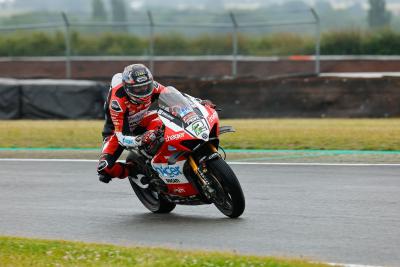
[{"x": 138, "y": 82}]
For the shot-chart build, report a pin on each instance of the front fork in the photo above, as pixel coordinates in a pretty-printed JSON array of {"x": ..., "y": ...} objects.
[{"x": 201, "y": 171}]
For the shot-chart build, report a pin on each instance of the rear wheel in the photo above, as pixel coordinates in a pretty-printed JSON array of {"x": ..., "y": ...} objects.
[
  {"x": 229, "y": 195},
  {"x": 152, "y": 200}
]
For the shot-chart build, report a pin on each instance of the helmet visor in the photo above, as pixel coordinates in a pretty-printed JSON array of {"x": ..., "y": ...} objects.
[{"x": 139, "y": 90}]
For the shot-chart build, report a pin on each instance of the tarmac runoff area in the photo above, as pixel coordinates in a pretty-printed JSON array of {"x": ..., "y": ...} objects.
[{"x": 332, "y": 206}]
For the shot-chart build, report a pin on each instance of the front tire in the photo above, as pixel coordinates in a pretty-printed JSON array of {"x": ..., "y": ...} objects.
[
  {"x": 233, "y": 203},
  {"x": 153, "y": 201}
]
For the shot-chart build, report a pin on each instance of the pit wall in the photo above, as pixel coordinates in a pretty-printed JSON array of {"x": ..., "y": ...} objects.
[{"x": 240, "y": 98}]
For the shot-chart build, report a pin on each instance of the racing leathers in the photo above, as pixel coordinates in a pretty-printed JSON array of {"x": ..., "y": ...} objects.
[{"x": 126, "y": 120}]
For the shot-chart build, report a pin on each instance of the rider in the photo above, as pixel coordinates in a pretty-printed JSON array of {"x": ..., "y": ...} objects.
[{"x": 128, "y": 119}]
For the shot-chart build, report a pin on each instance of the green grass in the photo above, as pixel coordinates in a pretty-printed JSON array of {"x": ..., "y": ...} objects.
[
  {"x": 326, "y": 134},
  {"x": 16, "y": 252}
]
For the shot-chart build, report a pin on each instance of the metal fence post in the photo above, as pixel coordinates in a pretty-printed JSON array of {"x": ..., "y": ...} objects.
[
  {"x": 318, "y": 42},
  {"x": 67, "y": 46},
  {"x": 151, "y": 41},
  {"x": 234, "y": 44}
]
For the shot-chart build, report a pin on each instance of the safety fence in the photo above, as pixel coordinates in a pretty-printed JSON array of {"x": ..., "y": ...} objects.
[{"x": 154, "y": 31}]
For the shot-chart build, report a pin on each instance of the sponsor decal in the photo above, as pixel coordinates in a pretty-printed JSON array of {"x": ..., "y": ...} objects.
[
  {"x": 213, "y": 117},
  {"x": 198, "y": 127},
  {"x": 115, "y": 106},
  {"x": 171, "y": 172},
  {"x": 184, "y": 110},
  {"x": 140, "y": 73},
  {"x": 174, "y": 137},
  {"x": 204, "y": 136},
  {"x": 171, "y": 148},
  {"x": 193, "y": 120},
  {"x": 173, "y": 181},
  {"x": 179, "y": 190},
  {"x": 190, "y": 118},
  {"x": 141, "y": 79},
  {"x": 166, "y": 115}
]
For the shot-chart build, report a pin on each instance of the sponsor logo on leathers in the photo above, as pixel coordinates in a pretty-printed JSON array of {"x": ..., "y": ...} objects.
[
  {"x": 135, "y": 118},
  {"x": 115, "y": 106}
]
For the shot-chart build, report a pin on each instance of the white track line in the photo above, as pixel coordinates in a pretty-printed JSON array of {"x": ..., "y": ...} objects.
[
  {"x": 231, "y": 163},
  {"x": 50, "y": 160},
  {"x": 313, "y": 164}
]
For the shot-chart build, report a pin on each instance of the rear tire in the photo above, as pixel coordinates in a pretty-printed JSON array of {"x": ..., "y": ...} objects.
[
  {"x": 153, "y": 201},
  {"x": 234, "y": 203}
]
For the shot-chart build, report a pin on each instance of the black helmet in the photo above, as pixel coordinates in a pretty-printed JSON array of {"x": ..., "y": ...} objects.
[{"x": 138, "y": 82}]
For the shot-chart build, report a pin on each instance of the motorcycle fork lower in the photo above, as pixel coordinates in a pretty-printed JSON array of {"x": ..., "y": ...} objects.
[
  {"x": 196, "y": 168},
  {"x": 200, "y": 173}
]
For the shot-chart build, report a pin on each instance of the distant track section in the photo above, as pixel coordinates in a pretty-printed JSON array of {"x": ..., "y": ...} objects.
[{"x": 93, "y": 67}]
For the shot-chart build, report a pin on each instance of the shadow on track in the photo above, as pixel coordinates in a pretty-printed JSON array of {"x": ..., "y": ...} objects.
[{"x": 148, "y": 217}]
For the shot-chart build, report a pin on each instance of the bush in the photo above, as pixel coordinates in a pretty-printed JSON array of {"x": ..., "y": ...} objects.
[
  {"x": 32, "y": 44},
  {"x": 352, "y": 42},
  {"x": 385, "y": 42},
  {"x": 342, "y": 43}
]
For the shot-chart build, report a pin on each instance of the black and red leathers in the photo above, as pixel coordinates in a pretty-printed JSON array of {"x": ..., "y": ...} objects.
[{"x": 125, "y": 120}]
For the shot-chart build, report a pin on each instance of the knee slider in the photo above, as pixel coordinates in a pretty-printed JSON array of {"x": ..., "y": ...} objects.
[{"x": 104, "y": 163}]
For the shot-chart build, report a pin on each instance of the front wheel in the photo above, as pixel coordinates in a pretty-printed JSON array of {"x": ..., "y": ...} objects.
[
  {"x": 153, "y": 201},
  {"x": 229, "y": 198}
]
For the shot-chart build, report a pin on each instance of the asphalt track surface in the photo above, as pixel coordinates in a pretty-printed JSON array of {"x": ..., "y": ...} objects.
[{"x": 334, "y": 213}]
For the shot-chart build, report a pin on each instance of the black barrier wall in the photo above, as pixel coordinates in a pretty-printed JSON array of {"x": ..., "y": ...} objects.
[
  {"x": 10, "y": 99},
  {"x": 52, "y": 99},
  {"x": 312, "y": 97},
  {"x": 301, "y": 98}
]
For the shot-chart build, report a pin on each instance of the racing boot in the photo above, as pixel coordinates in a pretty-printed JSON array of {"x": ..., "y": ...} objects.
[
  {"x": 105, "y": 178},
  {"x": 118, "y": 170}
]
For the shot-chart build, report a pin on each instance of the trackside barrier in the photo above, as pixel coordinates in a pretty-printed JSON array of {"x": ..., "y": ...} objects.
[
  {"x": 51, "y": 99},
  {"x": 242, "y": 98}
]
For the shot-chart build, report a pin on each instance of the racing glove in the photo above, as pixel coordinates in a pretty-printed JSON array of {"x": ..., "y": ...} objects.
[
  {"x": 152, "y": 140},
  {"x": 148, "y": 138}
]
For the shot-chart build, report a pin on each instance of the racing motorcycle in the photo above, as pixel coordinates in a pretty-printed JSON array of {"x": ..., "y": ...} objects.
[{"x": 185, "y": 166}]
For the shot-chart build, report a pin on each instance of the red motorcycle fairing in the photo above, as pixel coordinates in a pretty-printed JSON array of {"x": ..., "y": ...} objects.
[{"x": 173, "y": 175}]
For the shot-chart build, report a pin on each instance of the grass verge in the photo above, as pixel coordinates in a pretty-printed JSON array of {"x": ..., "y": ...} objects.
[
  {"x": 334, "y": 134},
  {"x": 18, "y": 252}
]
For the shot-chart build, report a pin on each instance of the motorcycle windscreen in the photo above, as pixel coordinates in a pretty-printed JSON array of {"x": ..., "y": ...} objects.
[{"x": 176, "y": 104}]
